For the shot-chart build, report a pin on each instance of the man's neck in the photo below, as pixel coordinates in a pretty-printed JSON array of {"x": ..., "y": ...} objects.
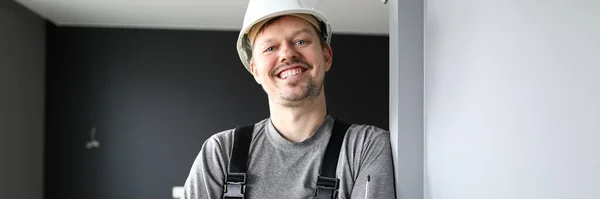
[{"x": 298, "y": 123}]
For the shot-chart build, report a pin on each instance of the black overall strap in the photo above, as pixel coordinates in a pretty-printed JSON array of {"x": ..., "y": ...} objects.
[
  {"x": 235, "y": 186},
  {"x": 327, "y": 182}
]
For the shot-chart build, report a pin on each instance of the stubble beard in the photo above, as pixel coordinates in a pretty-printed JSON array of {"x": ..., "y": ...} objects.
[{"x": 312, "y": 90}]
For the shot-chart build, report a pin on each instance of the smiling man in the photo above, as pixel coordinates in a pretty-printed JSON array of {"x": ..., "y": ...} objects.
[{"x": 300, "y": 151}]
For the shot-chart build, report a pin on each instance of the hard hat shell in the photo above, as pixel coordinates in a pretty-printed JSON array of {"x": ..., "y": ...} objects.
[{"x": 259, "y": 10}]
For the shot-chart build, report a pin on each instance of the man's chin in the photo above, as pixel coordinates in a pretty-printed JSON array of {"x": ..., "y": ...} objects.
[
  {"x": 297, "y": 95},
  {"x": 293, "y": 97},
  {"x": 295, "y": 103}
]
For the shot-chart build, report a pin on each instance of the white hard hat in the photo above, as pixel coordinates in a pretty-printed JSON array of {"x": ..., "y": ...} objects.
[{"x": 259, "y": 11}]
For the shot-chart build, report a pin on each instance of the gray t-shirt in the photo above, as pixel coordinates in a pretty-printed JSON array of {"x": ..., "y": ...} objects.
[{"x": 278, "y": 168}]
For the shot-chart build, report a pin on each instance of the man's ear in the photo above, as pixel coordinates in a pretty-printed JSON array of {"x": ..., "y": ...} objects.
[
  {"x": 328, "y": 56},
  {"x": 254, "y": 71}
]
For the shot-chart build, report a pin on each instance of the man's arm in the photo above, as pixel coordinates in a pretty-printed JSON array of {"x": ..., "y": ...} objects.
[
  {"x": 376, "y": 164},
  {"x": 207, "y": 175}
]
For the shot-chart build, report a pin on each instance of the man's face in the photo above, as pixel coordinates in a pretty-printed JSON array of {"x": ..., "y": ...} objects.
[{"x": 289, "y": 61}]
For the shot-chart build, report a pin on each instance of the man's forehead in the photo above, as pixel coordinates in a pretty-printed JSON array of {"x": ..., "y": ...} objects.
[{"x": 289, "y": 23}]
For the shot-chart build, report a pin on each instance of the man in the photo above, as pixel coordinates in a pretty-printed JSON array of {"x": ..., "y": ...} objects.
[{"x": 285, "y": 46}]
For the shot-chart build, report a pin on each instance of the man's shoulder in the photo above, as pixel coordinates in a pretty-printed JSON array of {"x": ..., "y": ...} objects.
[
  {"x": 226, "y": 136},
  {"x": 367, "y": 132},
  {"x": 367, "y": 129}
]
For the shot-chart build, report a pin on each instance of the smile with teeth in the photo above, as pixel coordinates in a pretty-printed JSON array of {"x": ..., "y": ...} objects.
[{"x": 290, "y": 72}]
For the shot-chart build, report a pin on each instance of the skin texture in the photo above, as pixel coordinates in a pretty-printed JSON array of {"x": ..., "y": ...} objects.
[{"x": 297, "y": 103}]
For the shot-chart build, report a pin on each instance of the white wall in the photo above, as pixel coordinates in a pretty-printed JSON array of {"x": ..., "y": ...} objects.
[
  {"x": 22, "y": 62},
  {"x": 512, "y": 99}
]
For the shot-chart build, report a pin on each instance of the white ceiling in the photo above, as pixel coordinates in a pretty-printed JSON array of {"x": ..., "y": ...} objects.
[{"x": 346, "y": 16}]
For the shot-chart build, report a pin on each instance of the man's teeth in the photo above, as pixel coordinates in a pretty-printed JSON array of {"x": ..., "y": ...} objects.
[{"x": 289, "y": 73}]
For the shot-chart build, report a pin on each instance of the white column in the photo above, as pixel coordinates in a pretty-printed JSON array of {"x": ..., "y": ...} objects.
[
  {"x": 406, "y": 95},
  {"x": 512, "y": 99}
]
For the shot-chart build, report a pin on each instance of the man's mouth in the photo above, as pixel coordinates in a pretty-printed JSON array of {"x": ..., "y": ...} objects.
[{"x": 291, "y": 72}]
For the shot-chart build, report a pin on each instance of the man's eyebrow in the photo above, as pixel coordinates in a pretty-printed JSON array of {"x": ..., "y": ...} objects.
[
  {"x": 296, "y": 33},
  {"x": 264, "y": 42},
  {"x": 305, "y": 30}
]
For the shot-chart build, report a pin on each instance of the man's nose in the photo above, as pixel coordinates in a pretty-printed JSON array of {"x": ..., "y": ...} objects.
[{"x": 287, "y": 52}]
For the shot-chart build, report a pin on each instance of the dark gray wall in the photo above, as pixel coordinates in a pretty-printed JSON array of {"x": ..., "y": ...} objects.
[
  {"x": 156, "y": 95},
  {"x": 22, "y": 62}
]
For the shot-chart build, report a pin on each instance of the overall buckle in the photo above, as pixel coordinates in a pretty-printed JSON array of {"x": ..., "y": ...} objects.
[
  {"x": 327, "y": 188},
  {"x": 235, "y": 188}
]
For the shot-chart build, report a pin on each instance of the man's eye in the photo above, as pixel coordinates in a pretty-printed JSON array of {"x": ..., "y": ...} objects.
[
  {"x": 300, "y": 42},
  {"x": 269, "y": 49}
]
